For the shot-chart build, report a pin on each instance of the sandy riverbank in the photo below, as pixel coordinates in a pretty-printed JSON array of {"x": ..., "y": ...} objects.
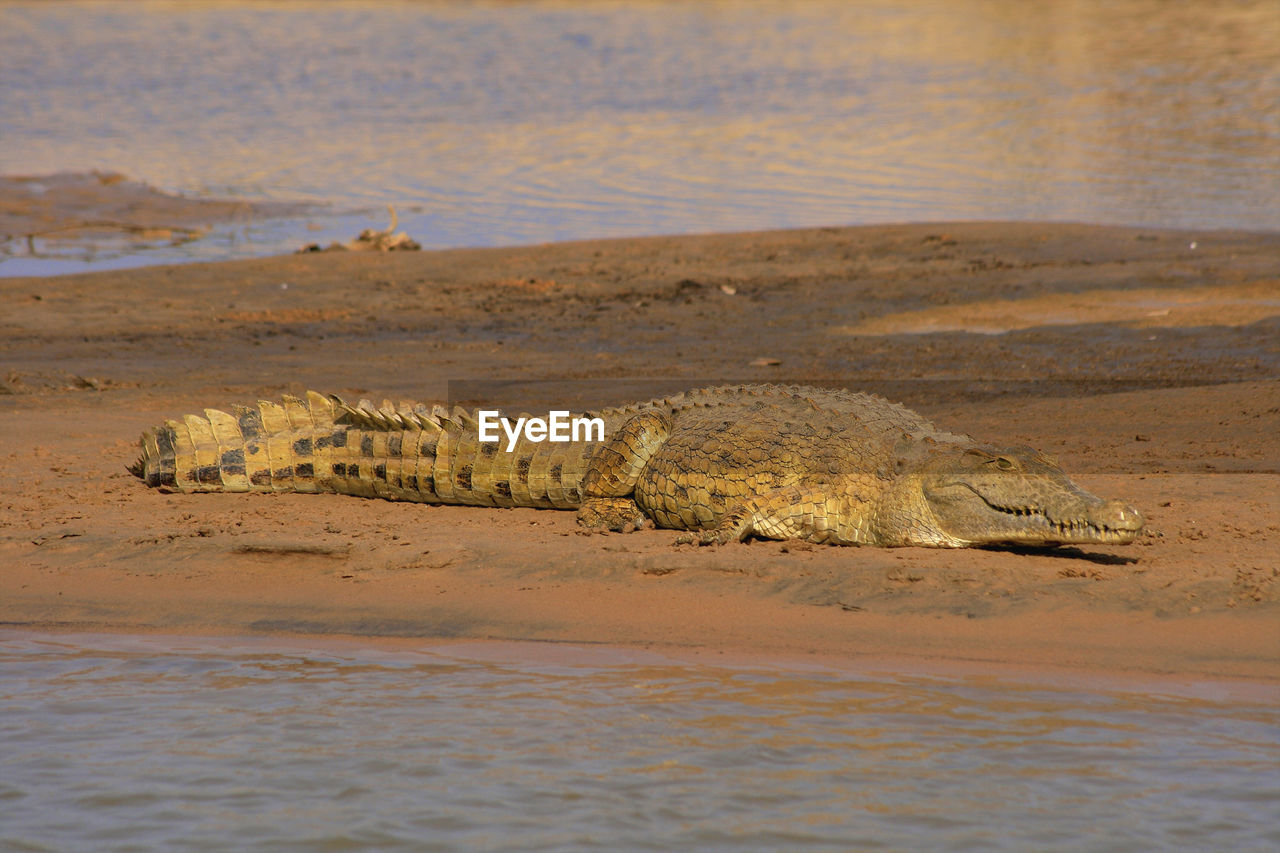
[{"x": 1149, "y": 367}]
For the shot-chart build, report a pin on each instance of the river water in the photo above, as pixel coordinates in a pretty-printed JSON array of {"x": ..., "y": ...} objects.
[
  {"x": 505, "y": 123},
  {"x": 132, "y": 743}
]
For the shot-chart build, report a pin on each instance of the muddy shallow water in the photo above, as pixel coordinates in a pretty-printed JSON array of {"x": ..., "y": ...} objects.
[
  {"x": 506, "y": 123},
  {"x": 200, "y": 744}
]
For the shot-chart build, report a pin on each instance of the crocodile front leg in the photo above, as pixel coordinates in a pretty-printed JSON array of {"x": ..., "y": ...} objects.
[
  {"x": 819, "y": 513},
  {"x": 610, "y": 480}
]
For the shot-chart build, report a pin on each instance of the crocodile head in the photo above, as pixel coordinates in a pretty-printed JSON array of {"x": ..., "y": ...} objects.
[{"x": 1016, "y": 496}]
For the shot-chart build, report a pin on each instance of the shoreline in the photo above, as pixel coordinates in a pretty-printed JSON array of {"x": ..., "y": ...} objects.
[
  {"x": 937, "y": 315},
  {"x": 590, "y": 656}
]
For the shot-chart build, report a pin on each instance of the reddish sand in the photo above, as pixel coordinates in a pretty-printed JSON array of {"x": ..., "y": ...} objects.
[{"x": 1147, "y": 366}]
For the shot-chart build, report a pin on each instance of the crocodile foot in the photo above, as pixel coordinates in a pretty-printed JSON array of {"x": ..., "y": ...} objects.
[
  {"x": 620, "y": 514},
  {"x": 701, "y": 537},
  {"x": 720, "y": 535}
]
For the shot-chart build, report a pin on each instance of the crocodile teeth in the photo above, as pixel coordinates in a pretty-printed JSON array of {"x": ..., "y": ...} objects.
[{"x": 1068, "y": 527}]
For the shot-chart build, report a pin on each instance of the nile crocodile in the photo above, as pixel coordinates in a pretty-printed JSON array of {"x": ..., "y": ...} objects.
[{"x": 728, "y": 463}]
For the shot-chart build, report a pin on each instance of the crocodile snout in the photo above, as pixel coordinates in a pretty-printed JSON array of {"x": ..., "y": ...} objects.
[{"x": 1119, "y": 515}]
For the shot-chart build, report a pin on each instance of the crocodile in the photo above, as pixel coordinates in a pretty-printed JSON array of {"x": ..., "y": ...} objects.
[{"x": 726, "y": 463}]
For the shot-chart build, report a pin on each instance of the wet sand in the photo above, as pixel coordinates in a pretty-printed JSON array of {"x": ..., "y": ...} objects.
[
  {"x": 1148, "y": 366},
  {"x": 47, "y": 215}
]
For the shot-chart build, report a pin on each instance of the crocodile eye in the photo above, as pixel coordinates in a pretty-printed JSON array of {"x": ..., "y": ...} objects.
[{"x": 1005, "y": 464}]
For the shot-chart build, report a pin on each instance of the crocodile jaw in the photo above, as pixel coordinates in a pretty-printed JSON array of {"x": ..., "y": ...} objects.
[{"x": 1073, "y": 517}]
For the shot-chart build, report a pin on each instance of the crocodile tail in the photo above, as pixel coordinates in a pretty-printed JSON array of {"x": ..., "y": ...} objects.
[
  {"x": 319, "y": 444},
  {"x": 269, "y": 447}
]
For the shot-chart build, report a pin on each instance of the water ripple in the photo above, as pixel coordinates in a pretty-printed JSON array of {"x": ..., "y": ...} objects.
[
  {"x": 115, "y": 744},
  {"x": 527, "y": 122}
]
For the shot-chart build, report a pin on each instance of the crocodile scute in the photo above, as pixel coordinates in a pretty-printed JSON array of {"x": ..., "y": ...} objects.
[{"x": 725, "y": 463}]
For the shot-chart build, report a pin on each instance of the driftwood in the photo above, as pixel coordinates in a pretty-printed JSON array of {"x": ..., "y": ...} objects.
[{"x": 371, "y": 240}]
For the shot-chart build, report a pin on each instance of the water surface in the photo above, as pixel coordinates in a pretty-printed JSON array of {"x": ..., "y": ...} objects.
[
  {"x": 114, "y": 743},
  {"x": 502, "y": 123}
]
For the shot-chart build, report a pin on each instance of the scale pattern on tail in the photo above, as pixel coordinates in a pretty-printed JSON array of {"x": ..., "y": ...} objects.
[{"x": 321, "y": 444}]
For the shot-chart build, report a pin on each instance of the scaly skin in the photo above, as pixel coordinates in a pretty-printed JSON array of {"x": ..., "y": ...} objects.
[{"x": 774, "y": 462}]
